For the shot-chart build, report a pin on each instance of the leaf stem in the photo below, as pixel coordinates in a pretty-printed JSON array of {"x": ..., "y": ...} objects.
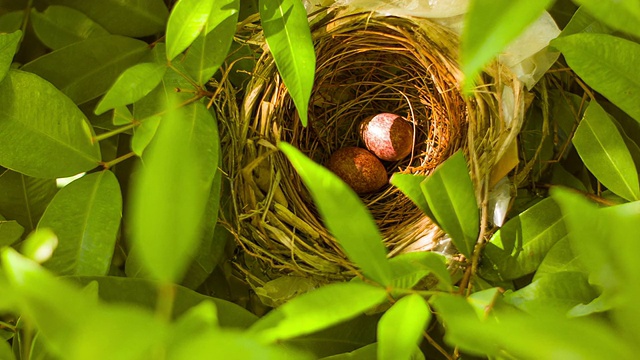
[
  {"x": 115, "y": 132},
  {"x": 166, "y": 298},
  {"x": 108, "y": 165},
  {"x": 437, "y": 346}
]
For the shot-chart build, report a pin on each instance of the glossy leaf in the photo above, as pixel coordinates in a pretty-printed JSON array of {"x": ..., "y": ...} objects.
[
  {"x": 409, "y": 268},
  {"x": 623, "y": 15},
  {"x": 603, "y": 150},
  {"x": 522, "y": 336},
  {"x": 582, "y": 21},
  {"x": 144, "y": 133},
  {"x": 132, "y": 85},
  {"x": 168, "y": 200},
  {"x": 559, "y": 258},
  {"x": 317, "y": 310},
  {"x": 136, "y": 292},
  {"x": 400, "y": 328},
  {"x": 452, "y": 200},
  {"x": 43, "y": 134},
  {"x": 122, "y": 116},
  {"x": 10, "y": 231},
  {"x": 186, "y": 21},
  {"x": 87, "y": 69},
  {"x": 409, "y": 184},
  {"x": 490, "y": 25},
  {"x": 210, "y": 48},
  {"x": 518, "y": 248},
  {"x": 345, "y": 216},
  {"x": 85, "y": 215},
  {"x": 607, "y": 64},
  {"x": 24, "y": 199},
  {"x": 8, "y": 47},
  {"x": 59, "y": 26},
  {"x": 287, "y": 33},
  {"x": 135, "y": 18},
  {"x": 557, "y": 292}
]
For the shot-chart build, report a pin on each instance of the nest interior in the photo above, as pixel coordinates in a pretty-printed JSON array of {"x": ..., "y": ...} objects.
[{"x": 365, "y": 65}]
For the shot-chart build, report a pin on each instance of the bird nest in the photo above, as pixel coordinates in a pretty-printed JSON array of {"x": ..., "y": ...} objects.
[{"x": 366, "y": 64}]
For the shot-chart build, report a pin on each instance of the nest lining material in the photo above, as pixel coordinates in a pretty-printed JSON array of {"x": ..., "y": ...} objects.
[{"x": 366, "y": 65}]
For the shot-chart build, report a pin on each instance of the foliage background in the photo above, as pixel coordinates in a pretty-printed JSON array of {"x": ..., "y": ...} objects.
[{"x": 128, "y": 262}]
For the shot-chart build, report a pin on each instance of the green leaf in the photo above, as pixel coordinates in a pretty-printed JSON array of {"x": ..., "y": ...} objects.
[
  {"x": 87, "y": 69},
  {"x": 210, "y": 48},
  {"x": 43, "y": 134},
  {"x": 623, "y": 15},
  {"x": 607, "y": 64},
  {"x": 557, "y": 292},
  {"x": 400, "y": 328},
  {"x": 5, "y": 351},
  {"x": 132, "y": 85},
  {"x": 168, "y": 200},
  {"x": 144, "y": 133},
  {"x": 135, "y": 18},
  {"x": 10, "y": 231},
  {"x": 40, "y": 245},
  {"x": 186, "y": 21},
  {"x": 215, "y": 344},
  {"x": 11, "y": 21},
  {"x": 345, "y": 216},
  {"x": 523, "y": 336},
  {"x": 452, "y": 200},
  {"x": 603, "y": 150},
  {"x": 287, "y": 33},
  {"x": 518, "y": 248},
  {"x": 137, "y": 292},
  {"x": 8, "y": 47},
  {"x": 582, "y": 21},
  {"x": 367, "y": 352},
  {"x": 490, "y": 25},
  {"x": 122, "y": 116},
  {"x": 409, "y": 268},
  {"x": 409, "y": 184},
  {"x": 59, "y": 26},
  {"x": 24, "y": 199},
  {"x": 559, "y": 258},
  {"x": 85, "y": 215},
  {"x": 317, "y": 310}
]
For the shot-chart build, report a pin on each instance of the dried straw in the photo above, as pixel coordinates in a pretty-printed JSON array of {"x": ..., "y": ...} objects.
[{"x": 366, "y": 64}]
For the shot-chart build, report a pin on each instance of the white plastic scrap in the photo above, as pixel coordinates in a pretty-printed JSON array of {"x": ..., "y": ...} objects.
[{"x": 499, "y": 199}]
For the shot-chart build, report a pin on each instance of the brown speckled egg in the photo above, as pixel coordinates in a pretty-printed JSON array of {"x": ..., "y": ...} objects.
[
  {"x": 359, "y": 168},
  {"x": 388, "y": 136}
]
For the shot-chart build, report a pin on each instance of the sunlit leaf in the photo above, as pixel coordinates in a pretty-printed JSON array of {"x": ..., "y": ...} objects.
[
  {"x": 59, "y": 26},
  {"x": 409, "y": 184},
  {"x": 521, "y": 336},
  {"x": 40, "y": 245},
  {"x": 210, "y": 49},
  {"x": 490, "y": 25},
  {"x": 287, "y": 33},
  {"x": 5, "y": 351},
  {"x": 8, "y": 48},
  {"x": 521, "y": 244},
  {"x": 318, "y": 309},
  {"x": 345, "y": 216},
  {"x": 603, "y": 150},
  {"x": 136, "y": 82},
  {"x": 557, "y": 292},
  {"x": 452, "y": 200},
  {"x": 24, "y": 199},
  {"x": 135, "y": 18},
  {"x": 559, "y": 258},
  {"x": 400, "y": 328},
  {"x": 87, "y": 69},
  {"x": 606, "y": 63},
  {"x": 582, "y": 21},
  {"x": 42, "y": 133},
  {"x": 85, "y": 215},
  {"x": 623, "y": 15},
  {"x": 186, "y": 21},
  {"x": 409, "y": 268},
  {"x": 168, "y": 200}
]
